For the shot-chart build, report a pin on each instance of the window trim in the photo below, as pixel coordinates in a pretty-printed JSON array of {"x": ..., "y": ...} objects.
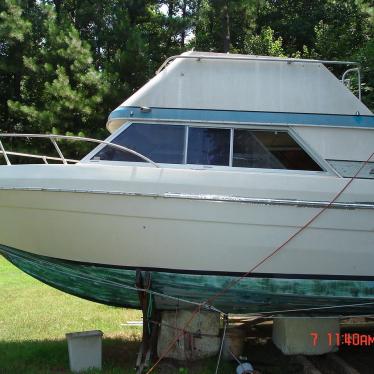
[
  {"x": 231, "y": 147},
  {"x": 87, "y": 158},
  {"x": 326, "y": 169},
  {"x": 322, "y": 163},
  {"x": 186, "y": 134},
  {"x": 214, "y": 127}
]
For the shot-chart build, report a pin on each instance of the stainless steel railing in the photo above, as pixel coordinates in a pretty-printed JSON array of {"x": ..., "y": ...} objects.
[
  {"x": 61, "y": 157},
  {"x": 352, "y": 70},
  {"x": 201, "y": 56},
  {"x": 44, "y": 158}
]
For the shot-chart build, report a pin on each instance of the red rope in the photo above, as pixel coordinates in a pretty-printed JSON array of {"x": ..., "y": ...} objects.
[{"x": 236, "y": 281}]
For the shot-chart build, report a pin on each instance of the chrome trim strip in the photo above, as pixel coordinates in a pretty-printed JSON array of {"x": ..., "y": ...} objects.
[{"x": 213, "y": 198}]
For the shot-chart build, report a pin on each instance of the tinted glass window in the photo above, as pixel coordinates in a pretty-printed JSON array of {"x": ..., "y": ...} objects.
[
  {"x": 271, "y": 150},
  {"x": 208, "y": 146},
  {"x": 160, "y": 143}
]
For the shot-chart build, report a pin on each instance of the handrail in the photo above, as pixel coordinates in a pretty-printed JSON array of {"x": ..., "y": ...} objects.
[
  {"x": 358, "y": 77},
  {"x": 254, "y": 58},
  {"x": 4, "y": 153},
  {"x": 44, "y": 158},
  {"x": 201, "y": 56},
  {"x": 53, "y": 138}
]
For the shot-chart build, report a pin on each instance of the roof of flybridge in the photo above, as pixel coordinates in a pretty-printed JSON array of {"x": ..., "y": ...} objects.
[{"x": 200, "y": 80}]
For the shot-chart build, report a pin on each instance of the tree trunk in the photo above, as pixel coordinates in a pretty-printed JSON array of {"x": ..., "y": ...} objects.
[
  {"x": 226, "y": 27},
  {"x": 169, "y": 25},
  {"x": 170, "y": 8},
  {"x": 184, "y": 13},
  {"x": 58, "y": 9}
]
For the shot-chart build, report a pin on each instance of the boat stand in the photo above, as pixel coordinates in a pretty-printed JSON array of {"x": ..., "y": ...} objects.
[{"x": 151, "y": 320}]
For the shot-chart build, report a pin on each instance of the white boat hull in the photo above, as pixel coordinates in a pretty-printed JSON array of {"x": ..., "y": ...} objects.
[{"x": 169, "y": 230}]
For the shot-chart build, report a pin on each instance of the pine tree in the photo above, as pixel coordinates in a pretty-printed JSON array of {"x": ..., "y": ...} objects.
[
  {"x": 62, "y": 91},
  {"x": 15, "y": 34}
]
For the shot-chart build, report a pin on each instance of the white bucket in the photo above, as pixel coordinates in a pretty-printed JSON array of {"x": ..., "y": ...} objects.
[{"x": 85, "y": 350}]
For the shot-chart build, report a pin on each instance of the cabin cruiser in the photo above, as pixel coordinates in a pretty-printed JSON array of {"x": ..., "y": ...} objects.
[{"x": 213, "y": 164}]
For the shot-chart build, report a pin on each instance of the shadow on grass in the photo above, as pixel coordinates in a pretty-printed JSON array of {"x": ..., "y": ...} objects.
[
  {"x": 51, "y": 356},
  {"x": 119, "y": 356}
]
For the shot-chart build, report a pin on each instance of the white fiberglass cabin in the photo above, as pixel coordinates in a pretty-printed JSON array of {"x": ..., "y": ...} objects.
[{"x": 237, "y": 165}]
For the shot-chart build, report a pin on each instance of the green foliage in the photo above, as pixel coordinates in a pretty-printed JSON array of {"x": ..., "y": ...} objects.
[
  {"x": 60, "y": 87},
  {"x": 365, "y": 56},
  {"x": 292, "y": 20},
  {"x": 264, "y": 44},
  {"x": 344, "y": 29},
  {"x": 64, "y": 65},
  {"x": 325, "y": 29},
  {"x": 15, "y": 32},
  {"x": 219, "y": 21},
  {"x": 346, "y": 33},
  {"x": 13, "y": 28}
]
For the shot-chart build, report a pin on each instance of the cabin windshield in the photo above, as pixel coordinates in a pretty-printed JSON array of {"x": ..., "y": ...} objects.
[
  {"x": 197, "y": 145},
  {"x": 160, "y": 143}
]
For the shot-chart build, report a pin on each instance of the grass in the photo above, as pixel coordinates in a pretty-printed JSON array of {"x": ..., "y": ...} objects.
[
  {"x": 34, "y": 319},
  {"x": 31, "y": 310}
]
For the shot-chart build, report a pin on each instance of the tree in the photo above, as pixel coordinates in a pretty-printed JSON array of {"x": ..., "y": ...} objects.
[
  {"x": 15, "y": 35},
  {"x": 346, "y": 33},
  {"x": 264, "y": 44},
  {"x": 343, "y": 29},
  {"x": 324, "y": 29},
  {"x": 64, "y": 65},
  {"x": 61, "y": 90},
  {"x": 366, "y": 57},
  {"x": 292, "y": 20},
  {"x": 223, "y": 25}
]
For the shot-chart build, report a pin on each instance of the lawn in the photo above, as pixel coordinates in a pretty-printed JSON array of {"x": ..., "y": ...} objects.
[{"x": 34, "y": 319}]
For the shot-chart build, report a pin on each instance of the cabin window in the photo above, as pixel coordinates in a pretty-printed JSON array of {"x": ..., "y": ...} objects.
[
  {"x": 349, "y": 169},
  {"x": 269, "y": 150},
  {"x": 246, "y": 148},
  {"x": 160, "y": 143},
  {"x": 208, "y": 146}
]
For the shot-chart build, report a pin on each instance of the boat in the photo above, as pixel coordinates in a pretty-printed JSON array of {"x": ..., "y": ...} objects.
[{"x": 246, "y": 178}]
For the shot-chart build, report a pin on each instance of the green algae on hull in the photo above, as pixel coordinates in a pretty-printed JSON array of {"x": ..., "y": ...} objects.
[{"x": 116, "y": 286}]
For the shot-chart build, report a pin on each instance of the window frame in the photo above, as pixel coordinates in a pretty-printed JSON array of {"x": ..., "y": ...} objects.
[
  {"x": 211, "y": 127},
  {"x": 118, "y": 132},
  {"x": 290, "y": 130},
  {"x": 88, "y": 157},
  {"x": 297, "y": 139}
]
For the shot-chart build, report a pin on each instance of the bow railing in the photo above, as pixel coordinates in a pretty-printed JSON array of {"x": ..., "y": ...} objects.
[{"x": 53, "y": 138}]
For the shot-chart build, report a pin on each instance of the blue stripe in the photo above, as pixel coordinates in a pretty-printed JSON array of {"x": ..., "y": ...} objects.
[{"x": 267, "y": 118}]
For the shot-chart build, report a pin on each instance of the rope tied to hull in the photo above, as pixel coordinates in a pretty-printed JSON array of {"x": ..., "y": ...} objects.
[
  {"x": 208, "y": 303},
  {"x": 214, "y": 297},
  {"x": 226, "y": 322}
]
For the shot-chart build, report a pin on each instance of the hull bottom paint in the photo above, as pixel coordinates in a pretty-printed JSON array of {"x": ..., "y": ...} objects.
[{"x": 116, "y": 286}]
